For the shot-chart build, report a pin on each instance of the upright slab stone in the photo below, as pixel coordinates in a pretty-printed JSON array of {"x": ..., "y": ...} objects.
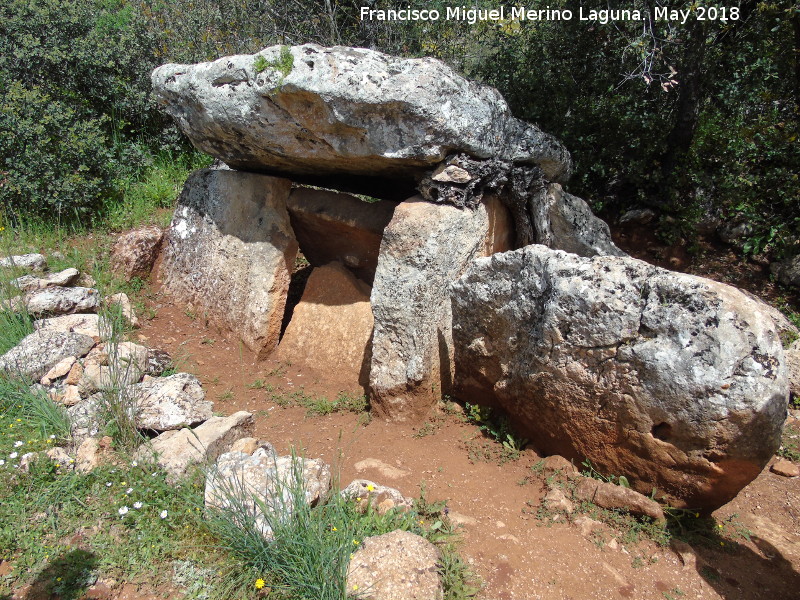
[
  {"x": 230, "y": 252},
  {"x": 675, "y": 381},
  {"x": 339, "y": 227},
  {"x": 331, "y": 330},
  {"x": 425, "y": 247}
]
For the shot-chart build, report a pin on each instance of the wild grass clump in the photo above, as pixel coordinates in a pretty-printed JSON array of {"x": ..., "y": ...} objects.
[{"x": 310, "y": 547}]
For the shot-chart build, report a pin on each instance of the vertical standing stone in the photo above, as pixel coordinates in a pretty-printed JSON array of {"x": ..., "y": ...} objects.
[
  {"x": 230, "y": 252},
  {"x": 425, "y": 248}
]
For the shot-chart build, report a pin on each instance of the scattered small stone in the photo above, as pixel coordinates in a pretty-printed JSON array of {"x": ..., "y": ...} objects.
[
  {"x": 609, "y": 495},
  {"x": 382, "y": 498},
  {"x": 60, "y": 369},
  {"x": 61, "y": 457},
  {"x": 386, "y": 470},
  {"x": 555, "y": 465},
  {"x": 686, "y": 553},
  {"x": 588, "y": 525},
  {"x": 75, "y": 374},
  {"x": 461, "y": 520},
  {"x": 785, "y": 468},
  {"x": 246, "y": 445},
  {"x": 89, "y": 455},
  {"x": 26, "y": 460},
  {"x": 556, "y": 499}
]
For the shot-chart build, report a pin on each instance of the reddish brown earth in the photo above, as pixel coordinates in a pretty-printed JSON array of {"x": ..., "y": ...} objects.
[{"x": 517, "y": 554}]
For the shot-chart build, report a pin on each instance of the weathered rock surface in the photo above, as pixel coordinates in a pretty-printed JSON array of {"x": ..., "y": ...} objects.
[
  {"x": 92, "y": 325},
  {"x": 40, "y": 351},
  {"x": 399, "y": 564},
  {"x": 59, "y": 370},
  {"x": 56, "y": 301},
  {"x": 230, "y": 252},
  {"x": 381, "y": 498},
  {"x": 785, "y": 468},
  {"x": 176, "y": 451},
  {"x": 136, "y": 251},
  {"x": 425, "y": 247},
  {"x": 28, "y": 262},
  {"x": 346, "y": 111},
  {"x": 674, "y": 381},
  {"x": 793, "y": 368},
  {"x": 331, "y": 329},
  {"x": 29, "y": 283},
  {"x": 158, "y": 361},
  {"x": 611, "y": 496},
  {"x": 272, "y": 479},
  {"x": 787, "y": 271},
  {"x": 339, "y": 227},
  {"x": 172, "y": 402},
  {"x": 115, "y": 367},
  {"x": 565, "y": 222}
]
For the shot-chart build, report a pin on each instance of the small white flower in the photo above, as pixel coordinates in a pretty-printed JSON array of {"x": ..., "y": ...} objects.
[
  {"x": 163, "y": 514},
  {"x": 128, "y": 491},
  {"x": 108, "y": 484},
  {"x": 137, "y": 505},
  {"x": 134, "y": 464},
  {"x": 2, "y": 462},
  {"x": 18, "y": 443},
  {"x": 16, "y": 466},
  {"x": 52, "y": 437},
  {"x": 93, "y": 432},
  {"x": 13, "y": 455},
  {"x": 123, "y": 511}
]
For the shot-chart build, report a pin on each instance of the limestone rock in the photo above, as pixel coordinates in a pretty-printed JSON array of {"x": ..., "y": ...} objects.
[
  {"x": 59, "y": 370},
  {"x": 124, "y": 306},
  {"x": 558, "y": 465},
  {"x": 120, "y": 365},
  {"x": 40, "y": 351},
  {"x": 384, "y": 469},
  {"x": 339, "y": 227},
  {"x": 425, "y": 247},
  {"x": 556, "y": 499},
  {"x": 92, "y": 325},
  {"x": 638, "y": 216},
  {"x": 565, "y": 222},
  {"x": 158, "y": 361},
  {"x": 238, "y": 479},
  {"x": 395, "y": 565},
  {"x": 247, "y": 445},
  {"x": 787, "y": 271},
  {"x": 230, "y": 252},
  {"x": 176, "y": 451},
  {"x": 29, "y": 283},
  {"x": 27, "y": 262},
  {"x": 381, "y": 498},
  {"x": 135, "y": 252},
  {"x": 89, "y": 456},
  {"x": 54, "y": 301},
  {"x": 611, "y": 496},
  {"x": 675, "y": 381},
  {"x": 87, "y": 417},
  {"x": 346, "y": 111},
  {"x": 60, "y": 457},
  {"x": 172, "y": 402},
  {"x": 331, "y": 329},
  {"x": 793, "y": 368},
  {"x": 785, "y": 468}
]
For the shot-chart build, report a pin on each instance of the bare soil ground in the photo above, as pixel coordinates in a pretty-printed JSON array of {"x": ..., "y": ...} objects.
[{"x": 518, "y": 553}]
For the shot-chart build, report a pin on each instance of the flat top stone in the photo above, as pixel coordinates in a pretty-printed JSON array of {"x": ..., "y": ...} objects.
[{"x": 310, "y": 110}]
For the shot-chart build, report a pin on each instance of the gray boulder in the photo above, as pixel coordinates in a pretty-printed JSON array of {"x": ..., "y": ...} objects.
[
  {"x": 675, "y": 381},
  {"x": 793, "y": 368},
  {"x": 565, "y": 222},
  {"x": 29, "y": 283},
  {"x": 56, "y": 300},
  {"x": 40, "y": 351},
  {"x": 425, "y": 247},
  {"x": 787, "y": 271},
  {"x": 27, "y": 262},
  {"x": 243, "y": 483},
  {"x": 176, "y": 451},
  {"x": 316, "y": 111},
  {"x": 164, "y": 403},
  {"x": 230, "y": 250}
]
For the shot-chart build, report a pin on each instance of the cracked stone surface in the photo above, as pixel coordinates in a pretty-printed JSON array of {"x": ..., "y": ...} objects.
[{"x": 675, "y": 381}]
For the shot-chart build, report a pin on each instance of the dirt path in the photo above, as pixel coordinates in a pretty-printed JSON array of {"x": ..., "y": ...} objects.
[{"x": 518, "y": 554}]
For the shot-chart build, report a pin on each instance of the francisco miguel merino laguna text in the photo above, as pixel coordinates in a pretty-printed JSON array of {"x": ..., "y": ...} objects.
[{"x": 522, "y": 13}]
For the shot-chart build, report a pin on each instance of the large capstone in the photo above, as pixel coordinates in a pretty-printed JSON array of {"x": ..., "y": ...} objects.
[
  {"x": 313, "y": 111},
  {"x": 675, "y": 381},
  {"x": 230, "y": 252}
]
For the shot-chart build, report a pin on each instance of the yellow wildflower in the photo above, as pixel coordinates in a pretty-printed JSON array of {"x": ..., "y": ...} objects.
[{"x": 260, "y": 583}]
